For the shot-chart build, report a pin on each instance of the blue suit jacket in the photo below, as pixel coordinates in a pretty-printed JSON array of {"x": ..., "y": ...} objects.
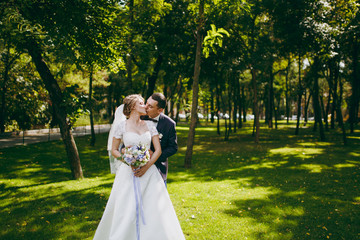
[{"x": 168, "y": 142}]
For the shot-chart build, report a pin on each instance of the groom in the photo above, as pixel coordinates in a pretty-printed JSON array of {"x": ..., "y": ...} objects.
[{"x": 166, "y": 127}]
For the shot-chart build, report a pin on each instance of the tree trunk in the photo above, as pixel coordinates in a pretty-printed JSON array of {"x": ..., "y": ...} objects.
[
  {"x": 266, "y": 103},
  {"x": 306, "y": 107},
  {"x": 191, "y": 136},
  {"x": 218, "y": 107},
  {"x": 153, "y": 77},
  {"x": 327, "y": 110},
  {"x": 299, "y": 100},
  {"x": 271, "y": 96},
  {"x": 305, "y": 110},
  {"x": 355, "y": 85},
  {"x": 230, "y": 104},
  {"x": 172, "y": 109},
  {"x": 276, "y": 108},
  {"x": 239, "y": 103},
  {"x": 317, "y": 108},
  {"x": 323, "y": 112},
  {"x": 60, "y": 113},
  {"x": 337, "y": 101},
  {"x": 256, "y": 107},
  {"x": 339, "y": 113},
  {"x": 212, "y": 106},
  {"x": 330, "y": 104},
  {"x": 178, "y": 102},
  {"x": 334, "y": 96},
  {"x": 235, "y": 100},
  {"x": 227, "y": 127},
  {"x": 243, "y": 103},
  {"x": 3, "y": 91},
  {"x": 287, "y": 105},
  {"x": 93, "y": 138}
]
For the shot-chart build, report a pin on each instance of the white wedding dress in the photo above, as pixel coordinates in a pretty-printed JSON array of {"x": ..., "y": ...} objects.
[{"x": 120, "y": 219}]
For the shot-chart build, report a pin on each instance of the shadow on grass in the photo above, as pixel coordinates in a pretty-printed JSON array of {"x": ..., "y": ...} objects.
[
  {"x": 299, "y": 188},
  {"x": 310, "y": 189},
  {"x": 59, "y": 215},
  {"x": 39, "y": 199}
]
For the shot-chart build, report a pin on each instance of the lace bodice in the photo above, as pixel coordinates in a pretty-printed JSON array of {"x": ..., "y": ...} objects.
[{"x": 132, "y": 138}]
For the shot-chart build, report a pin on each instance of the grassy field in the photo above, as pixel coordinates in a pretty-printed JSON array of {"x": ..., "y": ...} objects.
[{"x": 287, "y": 187}]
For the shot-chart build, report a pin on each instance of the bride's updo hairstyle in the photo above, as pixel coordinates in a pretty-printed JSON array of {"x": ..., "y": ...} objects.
[{"x": 129, "y": 103}]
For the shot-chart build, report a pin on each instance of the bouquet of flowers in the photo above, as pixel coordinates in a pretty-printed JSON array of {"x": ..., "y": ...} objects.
[{"x": 136, "y": 156}]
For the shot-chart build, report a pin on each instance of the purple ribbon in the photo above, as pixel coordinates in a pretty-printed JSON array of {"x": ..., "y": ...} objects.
[{"x": 139, "y": 206}]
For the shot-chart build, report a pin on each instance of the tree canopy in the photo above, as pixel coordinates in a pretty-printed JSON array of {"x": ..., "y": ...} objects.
[{"x": 260, "y": 60}]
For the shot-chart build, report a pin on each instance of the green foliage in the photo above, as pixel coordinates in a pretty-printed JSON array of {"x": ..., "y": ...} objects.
[
  {"x": 25, "y": 96},
  {"x": 214, "y": 38},
  {"x": 289, "y": 187},
  {"x": 107, "y": 36},
  {"x": 75, "y": 102}
]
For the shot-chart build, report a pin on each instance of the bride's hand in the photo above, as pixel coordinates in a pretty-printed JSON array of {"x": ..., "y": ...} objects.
[
  {"x": 141, "y": 171},
  {"x": 151, "y": 153}
]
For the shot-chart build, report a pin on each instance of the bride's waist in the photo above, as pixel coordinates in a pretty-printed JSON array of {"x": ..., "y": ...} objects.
[{"x": 151, "y": 168}]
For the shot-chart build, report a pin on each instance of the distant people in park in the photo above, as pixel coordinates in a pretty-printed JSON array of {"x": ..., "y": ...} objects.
[{"x": 139, "y": 206}]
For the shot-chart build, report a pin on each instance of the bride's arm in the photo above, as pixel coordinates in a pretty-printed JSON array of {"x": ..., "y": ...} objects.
[
  {"x": 154, "y": 157},
  {"x": 157, "y": 147},
  {"x": 115, "y": 147}
]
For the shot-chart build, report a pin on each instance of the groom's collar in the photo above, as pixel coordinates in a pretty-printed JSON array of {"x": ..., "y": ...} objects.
[{"x": 157, "y": 118}]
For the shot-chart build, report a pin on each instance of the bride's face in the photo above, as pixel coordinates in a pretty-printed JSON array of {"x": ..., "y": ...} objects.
[{"x": 140, "y": 107}]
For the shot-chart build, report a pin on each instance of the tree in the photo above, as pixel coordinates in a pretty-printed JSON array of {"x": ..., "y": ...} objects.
[
  {"x": 352, "y": 43},
  {"x": 66, "y": 29},
  {"x": 199, "y": 40},
  {"x": 8, "y": 57}
]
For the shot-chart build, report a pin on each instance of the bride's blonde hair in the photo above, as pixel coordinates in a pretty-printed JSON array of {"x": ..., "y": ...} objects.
[{"x": 129, "y": 103}]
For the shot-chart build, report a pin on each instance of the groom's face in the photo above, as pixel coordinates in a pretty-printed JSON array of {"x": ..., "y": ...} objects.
[{"x": 152, "y": 108}]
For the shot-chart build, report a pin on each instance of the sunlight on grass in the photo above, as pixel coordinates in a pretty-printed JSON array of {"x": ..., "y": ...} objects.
[
  {"x": 355, "y": 154},
  {"x": 181, "y": 128},
  {"x": 298, "y": 152},
  {"x": 354, "y": 137},
  {"x": 295, "y": 193},
  {"x": 216, "y": 208},
  {"x": 312, "y": 168},
  {"x": 344, "y": 165},
  {"x": 287, "y": 187},
  {"x": 266, "y": 164},
  {"x": 357, "y": 163},
  {"x": 198, "y": 148},
  {"x": 316, "y": 144},
  {"x": 36, "y": 191}
]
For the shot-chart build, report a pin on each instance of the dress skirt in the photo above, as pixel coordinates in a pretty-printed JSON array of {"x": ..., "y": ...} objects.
[{"x": 121, "y": 218}]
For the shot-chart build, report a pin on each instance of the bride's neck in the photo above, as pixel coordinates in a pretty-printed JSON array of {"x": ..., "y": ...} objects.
[{"x": 135, "y": 117}]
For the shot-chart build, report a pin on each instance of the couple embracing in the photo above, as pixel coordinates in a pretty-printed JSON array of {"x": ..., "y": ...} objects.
[{"x": 139, "y": 206}]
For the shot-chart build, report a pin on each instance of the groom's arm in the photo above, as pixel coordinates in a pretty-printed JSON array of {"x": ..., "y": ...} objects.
[{"x": 171, "y": 147}]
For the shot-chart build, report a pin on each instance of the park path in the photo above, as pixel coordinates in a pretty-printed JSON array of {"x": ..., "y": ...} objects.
[{"x": 44, "y": 135}]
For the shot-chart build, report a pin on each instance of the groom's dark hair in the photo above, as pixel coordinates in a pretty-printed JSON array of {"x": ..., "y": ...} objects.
[{"x": 160, "y": 98}]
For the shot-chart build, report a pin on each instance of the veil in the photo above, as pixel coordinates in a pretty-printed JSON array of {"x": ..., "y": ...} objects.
[{"x": 119, "y": 117}]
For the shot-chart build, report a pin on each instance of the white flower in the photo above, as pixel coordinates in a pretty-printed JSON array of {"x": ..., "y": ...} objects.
[{"x": 160, "y": 135}]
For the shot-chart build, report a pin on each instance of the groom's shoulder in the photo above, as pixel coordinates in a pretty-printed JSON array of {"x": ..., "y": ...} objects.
[{"x": 168, "y": 119}]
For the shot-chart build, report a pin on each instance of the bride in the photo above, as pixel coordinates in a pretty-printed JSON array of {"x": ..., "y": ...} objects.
[{"x": 139, "y": 206}]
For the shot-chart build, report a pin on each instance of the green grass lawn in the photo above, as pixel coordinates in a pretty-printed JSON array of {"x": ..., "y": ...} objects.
[{"x": 287, "y": 187}]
